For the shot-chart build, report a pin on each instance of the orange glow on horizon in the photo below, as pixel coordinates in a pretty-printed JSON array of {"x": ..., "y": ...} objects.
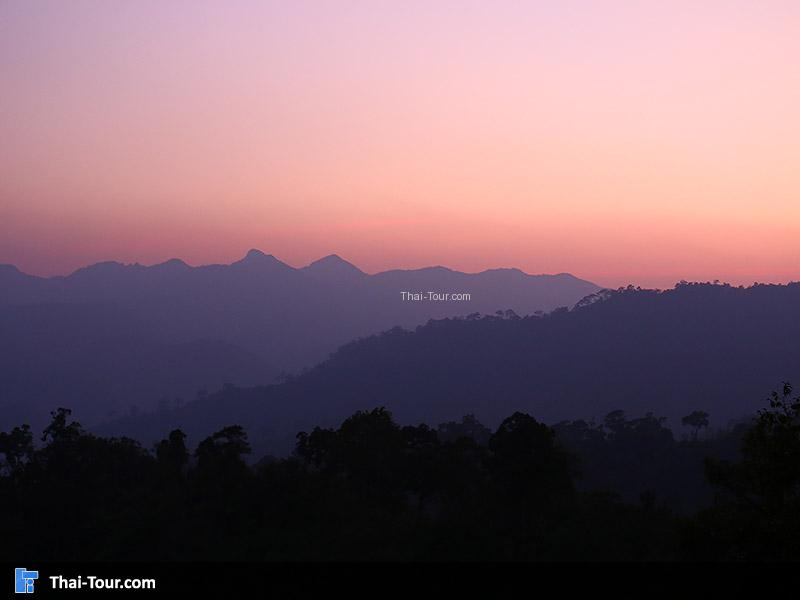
[{"x": 619, "y": 142}]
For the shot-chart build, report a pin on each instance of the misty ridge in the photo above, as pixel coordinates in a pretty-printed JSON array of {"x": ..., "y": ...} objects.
[
  {"x": 708, "y": 347},
  {"x": 111, "y": 338}
]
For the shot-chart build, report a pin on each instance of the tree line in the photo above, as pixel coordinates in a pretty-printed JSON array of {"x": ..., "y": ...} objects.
[{"x": 372, "y": 489}]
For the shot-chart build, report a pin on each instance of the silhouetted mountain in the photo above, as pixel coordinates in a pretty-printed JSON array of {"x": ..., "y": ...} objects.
[
  {"x": 335, "y": 266},
  {"x": 260, "y": 313},
  {"x": 696, "y": 347}
]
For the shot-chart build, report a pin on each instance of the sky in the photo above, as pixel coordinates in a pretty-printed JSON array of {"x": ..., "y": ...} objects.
[{"x": 624, "y": 142}]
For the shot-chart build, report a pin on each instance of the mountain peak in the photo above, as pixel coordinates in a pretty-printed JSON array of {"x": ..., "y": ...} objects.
[
  {"x": 171, "y": 264},
  {"x": 101, "y": 269},
  {"x": 256, "y": 254},
  {"x": 333, "y": 264},
  {"x": 257, "y": 258}
]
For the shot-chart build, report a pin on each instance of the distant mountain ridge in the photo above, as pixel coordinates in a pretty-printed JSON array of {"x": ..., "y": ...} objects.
[
  {"x": 280, "y": 317},
  {"x": 254, "y": 258},
  {"x": 132, "y": 284}
]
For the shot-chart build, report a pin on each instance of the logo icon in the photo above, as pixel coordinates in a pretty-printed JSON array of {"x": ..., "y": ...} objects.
[{"x": 23, "y": 580}]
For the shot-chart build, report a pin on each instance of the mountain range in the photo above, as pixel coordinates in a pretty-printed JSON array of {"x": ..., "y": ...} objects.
[{"x": 112, "y": 338}]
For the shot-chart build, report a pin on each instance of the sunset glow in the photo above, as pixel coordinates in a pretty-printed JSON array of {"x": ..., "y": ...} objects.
[{"x": 623, "y": 142}]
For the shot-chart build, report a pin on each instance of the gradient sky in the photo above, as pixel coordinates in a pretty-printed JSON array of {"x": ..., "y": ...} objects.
[{"x": 642, "y": 142}]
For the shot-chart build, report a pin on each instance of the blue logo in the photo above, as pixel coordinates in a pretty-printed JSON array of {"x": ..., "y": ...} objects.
[{"x": 23, "y": 580}]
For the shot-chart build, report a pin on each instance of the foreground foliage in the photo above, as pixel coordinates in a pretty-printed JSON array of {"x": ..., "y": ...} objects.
[{"x": 375, "y": 490}]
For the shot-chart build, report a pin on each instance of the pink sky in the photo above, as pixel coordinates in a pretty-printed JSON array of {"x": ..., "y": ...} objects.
[{"x": 624, "y": 142}]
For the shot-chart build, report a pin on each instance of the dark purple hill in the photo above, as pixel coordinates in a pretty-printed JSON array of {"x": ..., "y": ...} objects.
[{"x": 696, "y": 347}]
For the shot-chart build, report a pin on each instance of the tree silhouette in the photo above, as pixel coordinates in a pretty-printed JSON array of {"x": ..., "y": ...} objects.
[
  {"x": 220, "y": 452},
  {"x": 528, "y": 464},
  {"x": 758, "y": 513},
  {"x": 697, "y": 420},
  {"x": 468, "y": 427},
  {"x": 371, "y": 489},
  {"x": 59, "y": 430},
  {"x": 172, "y": 453},
  {"x": 16, "y": 448}
]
